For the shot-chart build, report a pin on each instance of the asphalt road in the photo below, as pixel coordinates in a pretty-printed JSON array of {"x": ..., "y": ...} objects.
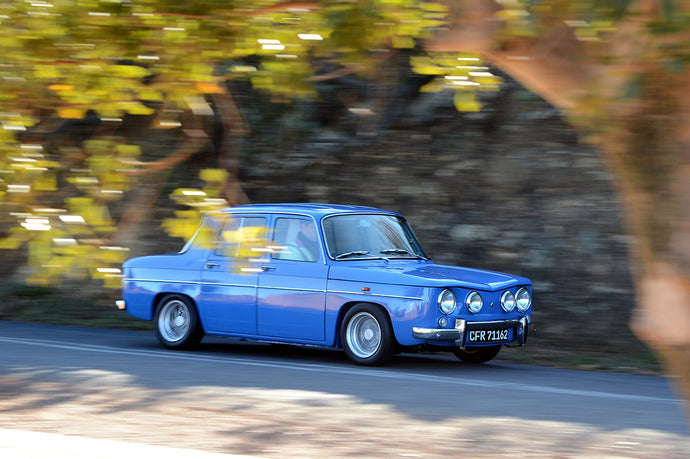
[{"x": 119, "y": 385}]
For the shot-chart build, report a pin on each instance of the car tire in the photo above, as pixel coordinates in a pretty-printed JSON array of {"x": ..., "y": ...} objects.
[
  {"x": 177, "y": 323},
  {"x": 366, "y": 335},
  {"x": 477, "y": 354}
]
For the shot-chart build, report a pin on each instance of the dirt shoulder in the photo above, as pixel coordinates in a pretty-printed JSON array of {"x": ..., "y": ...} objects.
[{"x": 292, "y": 423}]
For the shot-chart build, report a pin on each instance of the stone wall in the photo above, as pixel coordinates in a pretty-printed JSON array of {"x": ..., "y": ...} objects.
[{"x": 509, "y": 189}]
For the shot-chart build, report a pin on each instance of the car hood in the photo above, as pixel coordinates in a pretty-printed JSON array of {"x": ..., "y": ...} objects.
[{"x": 428, "y": 275}]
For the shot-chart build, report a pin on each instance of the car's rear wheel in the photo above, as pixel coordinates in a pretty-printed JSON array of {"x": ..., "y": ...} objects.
[
  {"x": 177, "y": 323},
  {"x": 477, "y": 354},
  {"x": 366, "y": 335}
]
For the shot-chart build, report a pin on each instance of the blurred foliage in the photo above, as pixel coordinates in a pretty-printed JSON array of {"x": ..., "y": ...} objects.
[
  {"x": 98, "y": 62},
  {"x": 199, "y": 202},
  {"x": 593, "y": 19},
  {"x": 89, "y": 65}
]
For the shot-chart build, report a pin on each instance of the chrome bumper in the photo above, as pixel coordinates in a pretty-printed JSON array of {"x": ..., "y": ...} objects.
[{"x": 458, "y": 333}]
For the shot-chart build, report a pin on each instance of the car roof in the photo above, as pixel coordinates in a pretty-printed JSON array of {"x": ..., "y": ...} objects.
[{"x": 314, "y": 209}]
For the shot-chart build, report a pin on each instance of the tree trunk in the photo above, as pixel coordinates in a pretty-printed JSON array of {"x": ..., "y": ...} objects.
[
  {"x": 647, "y": 145},
  {"x": 625, "y": 95}
]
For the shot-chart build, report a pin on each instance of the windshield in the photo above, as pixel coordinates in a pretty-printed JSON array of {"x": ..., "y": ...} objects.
[{"x": 370, "y": 236}]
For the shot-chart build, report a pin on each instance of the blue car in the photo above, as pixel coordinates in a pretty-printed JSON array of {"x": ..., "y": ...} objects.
[{"x": 347, "y": 277}]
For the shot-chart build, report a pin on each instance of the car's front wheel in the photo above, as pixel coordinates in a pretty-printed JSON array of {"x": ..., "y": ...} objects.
[
  {"x": 477, "y": 354},
  {"x": 366, "y": 335},
  {"x": 177, "y": 323}
]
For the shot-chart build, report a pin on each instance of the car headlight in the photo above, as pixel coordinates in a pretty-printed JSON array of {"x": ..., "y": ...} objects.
[
  {"x": 523, "y": 299},
  {"x": 446, "y": 301},
  {"x": 508, "y": 301},
  {"x": 474, "y": 302}
]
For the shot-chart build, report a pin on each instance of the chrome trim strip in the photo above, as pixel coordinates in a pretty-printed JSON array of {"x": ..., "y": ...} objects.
[
  {"x": 274, "y": 288},
  {"x": 160, "y": 281},
  {"x": 315, "y": 290},
  {"x": 375, "y": 294},
  {"x": 220, "y": 284}
]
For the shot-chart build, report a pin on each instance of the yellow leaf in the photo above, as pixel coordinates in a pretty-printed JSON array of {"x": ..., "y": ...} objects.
[
  {"x": 208, "y": 88},
  {"x": 403, "y": 42},
  {"x": 213, "y": 175},
  {"x": 130, "y": 71},
  {"x": 426, "y": 67},
  {"x": 14, "y": 240},
  {"x": 435, "y": 85},
  {"x": 430, "y": 6},
  {"x": 60, "y": 87},
  {"x": 130, "y": 151},
  {"x": 71, "y": 113},
  {"x": 46, "y": 71},
  {"x": 46, "y": 182},
  {"x": 150, "y": 95},
  {"x": 466, "y": 101},
  {"x": 135, "y": 108}
]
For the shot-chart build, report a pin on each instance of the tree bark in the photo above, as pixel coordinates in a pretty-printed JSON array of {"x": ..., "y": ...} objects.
[{"x": 649, "y": 152}]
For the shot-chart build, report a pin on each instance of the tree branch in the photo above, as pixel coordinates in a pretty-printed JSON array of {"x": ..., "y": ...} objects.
[
  {"x": 234, "y": 130},
  {"x": 188, "y": 149},
  {"x": 554, "y": 65}
]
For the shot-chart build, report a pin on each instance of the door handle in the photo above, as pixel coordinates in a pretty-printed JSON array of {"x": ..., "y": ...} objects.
[
  {"x": 211, "y": 265},
  {"x": 267, "y": 268}
]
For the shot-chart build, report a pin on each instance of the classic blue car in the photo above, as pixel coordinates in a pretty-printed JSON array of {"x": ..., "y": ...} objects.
[{"x": 336, "y": 276}]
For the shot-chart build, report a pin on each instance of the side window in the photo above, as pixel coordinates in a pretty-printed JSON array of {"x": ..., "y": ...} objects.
[
  {"x": 241, "y": 236},
  {"x": 205, "y": 236},
  {"x": 295, "y": 239}
]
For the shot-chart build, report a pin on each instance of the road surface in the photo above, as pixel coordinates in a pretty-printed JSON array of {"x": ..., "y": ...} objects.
[{"x": 102, "y": 388}]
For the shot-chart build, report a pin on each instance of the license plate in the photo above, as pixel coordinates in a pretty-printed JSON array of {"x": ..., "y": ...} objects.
[{"x": 487, "y": 336}]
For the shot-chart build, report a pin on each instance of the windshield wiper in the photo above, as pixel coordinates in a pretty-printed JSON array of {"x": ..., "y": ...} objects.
[
  {"x": 351, "y": 254},
  {"x": 397, "y": 251}
]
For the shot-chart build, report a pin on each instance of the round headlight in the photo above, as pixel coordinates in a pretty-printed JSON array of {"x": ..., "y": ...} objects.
[
  {"x": 446, "y": 301},
  {"x": 474, "y": 302},
  {"x": 508, "y": 301},
  {"x": 523, "y": 299}
]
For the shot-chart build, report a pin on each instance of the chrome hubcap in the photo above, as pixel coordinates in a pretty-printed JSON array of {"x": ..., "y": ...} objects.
[
  {"x": 363, "y": 335},
  {"x": 174, "y": 321}
]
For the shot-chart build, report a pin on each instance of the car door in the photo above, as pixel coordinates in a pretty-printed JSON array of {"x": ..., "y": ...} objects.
[
  {"x": 292, "y": 285},
  {"x": 230, "y": 276}
]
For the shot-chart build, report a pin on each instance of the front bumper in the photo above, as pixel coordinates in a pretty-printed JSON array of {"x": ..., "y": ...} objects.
[{"x": 458, "y": 334}]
